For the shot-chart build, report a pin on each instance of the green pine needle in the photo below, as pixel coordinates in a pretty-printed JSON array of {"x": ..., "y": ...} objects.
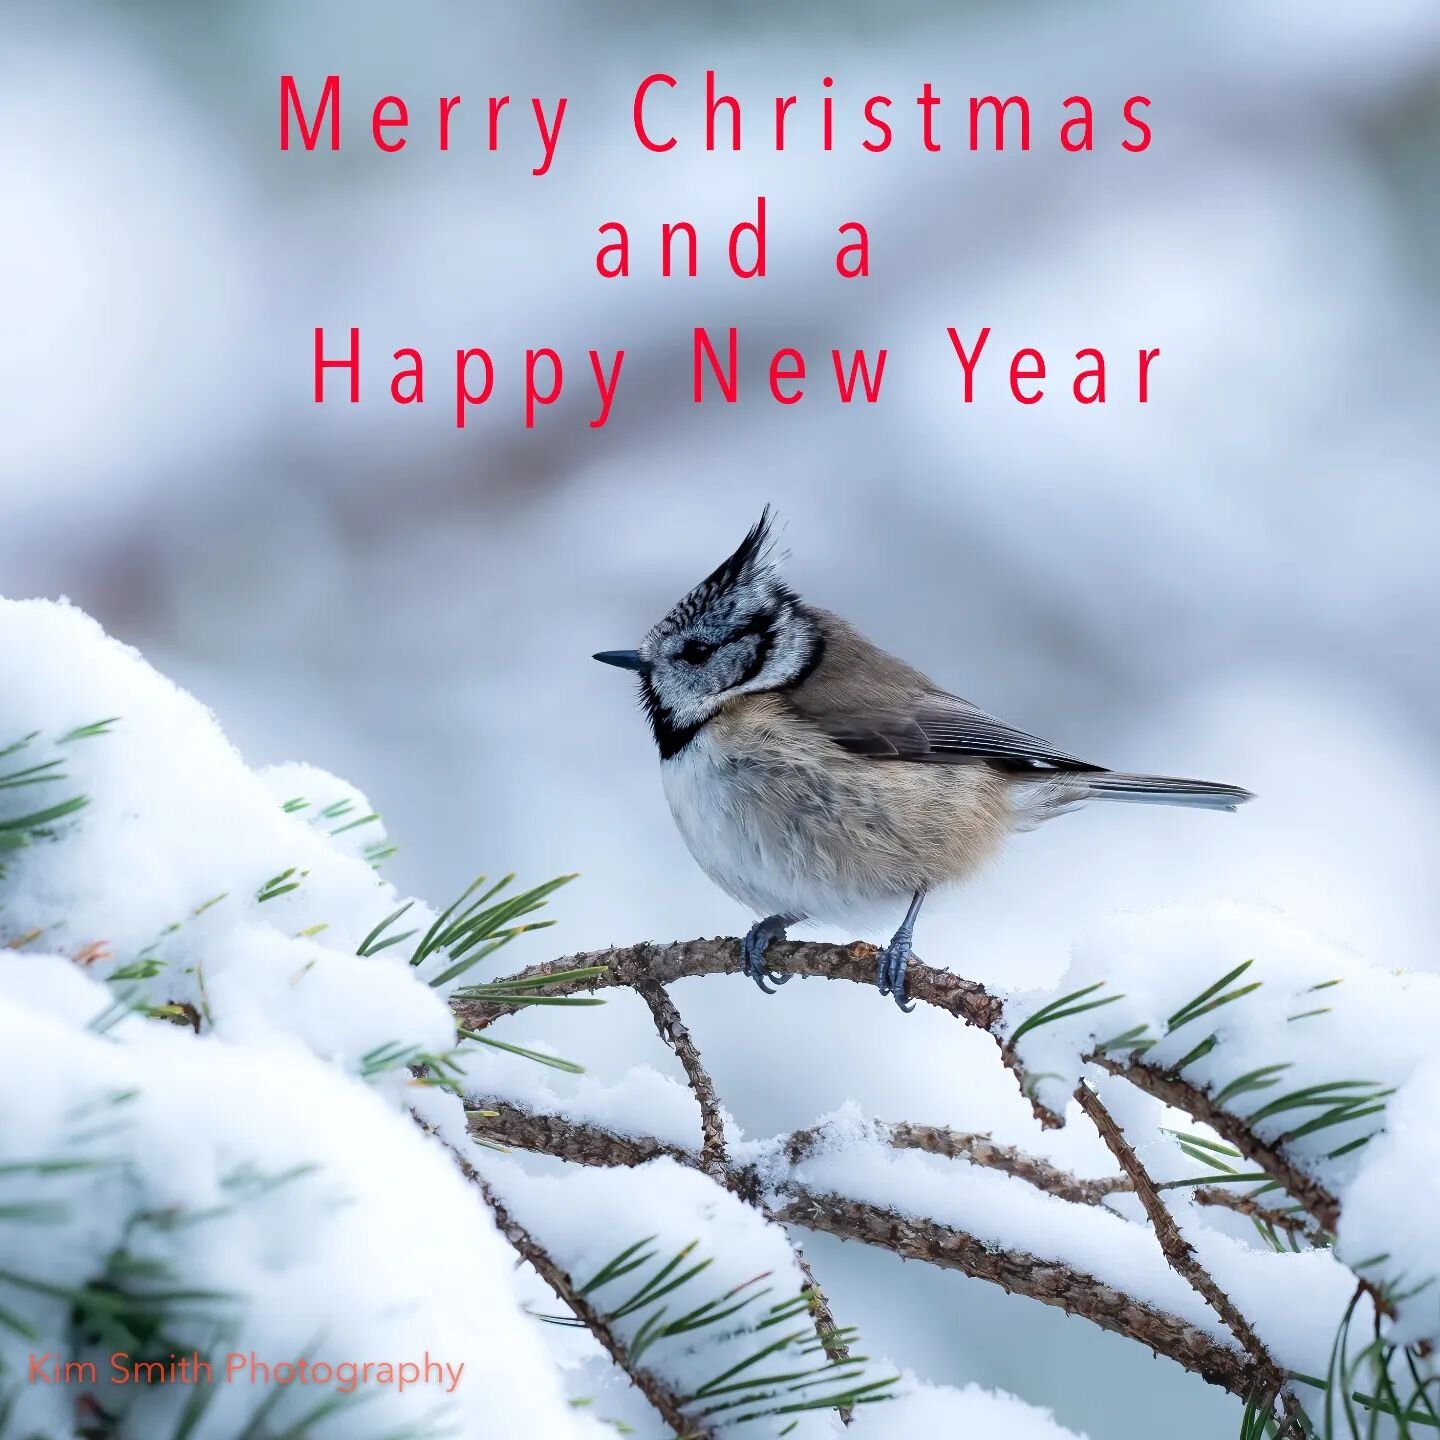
[
  {"x": 1263, "y": 1078},
  {"x": 89, "y": 732},
  {"x": 37, "y": 820},
  {"x": 553, "y": 1061},
  {"x": 1210, "y": 998},
  {"x": 278, "y": 885},
  {"x": 1062, "y": 1008}
]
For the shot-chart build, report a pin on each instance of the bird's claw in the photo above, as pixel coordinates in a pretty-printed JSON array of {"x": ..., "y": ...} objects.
[
  {"x": 890, "y": 971},
  {"x": 752, "y": 953}
]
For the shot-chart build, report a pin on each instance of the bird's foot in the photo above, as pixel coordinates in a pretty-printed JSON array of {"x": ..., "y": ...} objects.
[
  {"x": 890, "y": 968},
  {"x": 754, "y": 945},
  {"x": 891, "y": 961}
]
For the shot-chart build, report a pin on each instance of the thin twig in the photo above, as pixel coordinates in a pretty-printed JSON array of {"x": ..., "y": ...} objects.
[
  {"x": 1288, "y": 1220},
  {"x": 1185, "y": 1263},
  {"x": 821, "y": 1315},
  {"x": 713, "y": 1157},
  {"x": 1052, "y": 1282},
  {"x": 662, "y": 1399},
  {"x": 982, "y": 1150},
  {"x": 965, "y": 999}
]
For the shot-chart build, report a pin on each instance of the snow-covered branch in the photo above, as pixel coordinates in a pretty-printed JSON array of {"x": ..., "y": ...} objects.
[
  {"x": 908, "y": 1236},
  {"x": 984, "y": 1150}
]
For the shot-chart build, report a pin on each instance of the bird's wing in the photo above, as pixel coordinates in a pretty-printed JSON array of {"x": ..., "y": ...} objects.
[
  {"x": 871, "y": 703},
  {"x": 937, "y": 728}
]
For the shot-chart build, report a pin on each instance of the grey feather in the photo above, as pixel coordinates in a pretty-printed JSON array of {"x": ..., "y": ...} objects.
[
  {"x": 943, "y": 729},
  {"x": 1165, "y": 790},
  {"x": 871, "y": 704}
]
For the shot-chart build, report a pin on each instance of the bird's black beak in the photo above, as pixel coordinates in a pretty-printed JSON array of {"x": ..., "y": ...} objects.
[{"x": 625, "y": 659}]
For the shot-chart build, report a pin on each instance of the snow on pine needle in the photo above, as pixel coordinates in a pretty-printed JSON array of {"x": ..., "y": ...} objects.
[
  {"x": 1324, "y": 1056},
  {"x": 708, "y": 1295},
  {"x": 724, "y": 1318}
]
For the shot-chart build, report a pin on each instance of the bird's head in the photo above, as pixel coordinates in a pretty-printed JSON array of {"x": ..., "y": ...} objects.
[{"x": 739, "y": 631}]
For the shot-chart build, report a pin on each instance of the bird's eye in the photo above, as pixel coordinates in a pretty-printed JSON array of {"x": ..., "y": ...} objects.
[{"x": 696, "y": 652}]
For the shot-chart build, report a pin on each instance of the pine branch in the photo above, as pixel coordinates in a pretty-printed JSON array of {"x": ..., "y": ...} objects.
[
  {"x": 663, "y": 1400},
  {"x": 665, "y": 963},
  {"x": 1183, "y": 1260},
  {"x": 1049, "y": 1281},
  {"x": 965, "y": 999}
]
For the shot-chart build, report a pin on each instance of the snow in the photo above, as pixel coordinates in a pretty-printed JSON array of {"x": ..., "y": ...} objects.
[
  {"x": 922, "y": 1409},
  {"x": 1391, "y": 1205},
  {"x": 587, "y": 1217},
  {"x": 643, "y": 1102},
  {"x": 584, "y": 1216}
]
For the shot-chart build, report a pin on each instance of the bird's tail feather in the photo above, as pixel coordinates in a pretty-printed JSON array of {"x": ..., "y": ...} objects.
[{"x": 1165, "y": 790}]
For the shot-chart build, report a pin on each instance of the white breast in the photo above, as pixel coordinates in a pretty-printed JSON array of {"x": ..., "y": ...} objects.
[{"x": 737, "y": 830}]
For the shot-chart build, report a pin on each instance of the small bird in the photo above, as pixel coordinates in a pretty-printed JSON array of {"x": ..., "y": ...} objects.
[{"x": 813, "y": 775}]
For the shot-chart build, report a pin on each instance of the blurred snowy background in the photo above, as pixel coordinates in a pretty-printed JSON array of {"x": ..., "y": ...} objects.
[{"x": 1237, "y": 581}]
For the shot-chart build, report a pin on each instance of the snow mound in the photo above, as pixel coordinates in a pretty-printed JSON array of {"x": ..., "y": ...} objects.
[{"x": 243, "y": 1191}]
